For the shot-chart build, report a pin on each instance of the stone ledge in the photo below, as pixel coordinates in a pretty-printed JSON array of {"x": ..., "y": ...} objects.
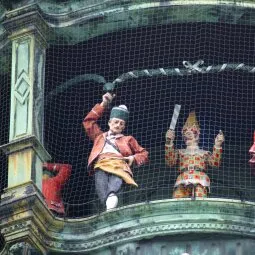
[
  {"x": 126, "y": 224},
  {"x": 159, "y": 218}
]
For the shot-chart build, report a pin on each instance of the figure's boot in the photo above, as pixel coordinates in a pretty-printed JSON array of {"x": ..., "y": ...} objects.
[{"x": 111, "y": 201}]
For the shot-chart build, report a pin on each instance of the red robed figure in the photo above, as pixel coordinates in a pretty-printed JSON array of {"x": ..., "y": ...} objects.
[{"x": 51, "y": 187}]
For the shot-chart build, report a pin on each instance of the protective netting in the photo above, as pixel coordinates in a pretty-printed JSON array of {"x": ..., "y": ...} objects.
[
  {"x": 5, "y": 79},
  {"x": 5, "y": 56},
  {"x": 154, "y": 68},
  {"x": 146, "y": 64},
  {"x": 223, "y": 100}
]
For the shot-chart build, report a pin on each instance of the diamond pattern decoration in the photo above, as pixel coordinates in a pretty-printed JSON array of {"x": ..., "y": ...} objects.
[
  {"x": 22, "y": 90},
  {"x": 22, "y": 87}
]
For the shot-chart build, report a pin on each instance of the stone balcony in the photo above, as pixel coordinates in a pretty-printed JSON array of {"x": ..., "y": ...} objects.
[{"x": 182, "y": 225}]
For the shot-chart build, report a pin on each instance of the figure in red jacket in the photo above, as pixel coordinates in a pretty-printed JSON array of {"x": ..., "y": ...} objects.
[
  {"x": 113, "y": 153},
  {"x": 54, "y": 178}
]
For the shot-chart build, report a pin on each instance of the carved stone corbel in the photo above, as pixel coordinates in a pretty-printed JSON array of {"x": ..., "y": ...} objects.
[{"x": 23, "y": 248}]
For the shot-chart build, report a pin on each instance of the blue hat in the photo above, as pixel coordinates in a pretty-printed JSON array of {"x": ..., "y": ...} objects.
[{"x": 120, "y": 112}]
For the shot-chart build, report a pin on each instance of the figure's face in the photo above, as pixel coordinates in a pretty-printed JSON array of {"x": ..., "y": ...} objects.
[
  {"x": 116, "y": 125},
  {"x": 190, "y": 137}
]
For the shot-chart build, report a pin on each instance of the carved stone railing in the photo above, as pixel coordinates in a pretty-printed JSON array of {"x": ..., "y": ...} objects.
[{"x": 28, "y": 219}]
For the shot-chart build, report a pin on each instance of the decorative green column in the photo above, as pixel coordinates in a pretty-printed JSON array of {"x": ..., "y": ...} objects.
[
  {"x": 19, "y": 224},
  {"x": 25, "y": 151}
]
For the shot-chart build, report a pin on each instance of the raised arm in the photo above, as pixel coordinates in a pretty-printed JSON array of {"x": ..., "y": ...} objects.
[
  {"x": 214, "y": 159},
  {"x": 90, "y": 121},
  {"x": 171, "y": 155}
]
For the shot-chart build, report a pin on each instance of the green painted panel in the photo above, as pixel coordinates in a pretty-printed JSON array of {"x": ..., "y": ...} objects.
[
  {"x": 21, "y": 118},
  {"x": 22, "y": 61}
]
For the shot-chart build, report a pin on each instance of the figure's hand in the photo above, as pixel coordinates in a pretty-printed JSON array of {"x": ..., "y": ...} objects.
[
  {"x": 107, "y": 99},
  {"x": 129, "y": 160},
  {"x": 219, "y": 139},
  {"x": 170, "y": 135}
]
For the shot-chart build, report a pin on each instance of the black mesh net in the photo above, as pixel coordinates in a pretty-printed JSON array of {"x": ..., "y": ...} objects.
[
  {"x": 222, "y": 100},
  {"x": 146, "y": 62}
]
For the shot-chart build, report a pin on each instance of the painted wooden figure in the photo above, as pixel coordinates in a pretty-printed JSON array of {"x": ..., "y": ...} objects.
[
  {"x": 192, "y": 161},
  {"x": 113, "y": 154},
  {"x": 54, "y": 178}
]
